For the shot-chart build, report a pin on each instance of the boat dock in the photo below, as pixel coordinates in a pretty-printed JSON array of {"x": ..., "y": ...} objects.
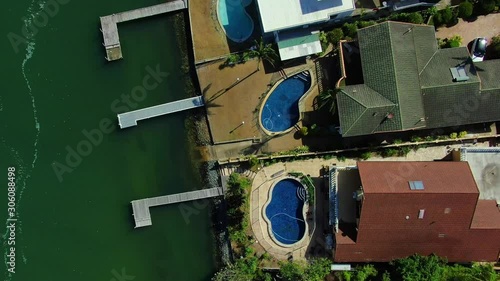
[
  {"x": 109, "y": 23},
  {"x": 130, "y": 118},
  {"x": 140, "y": 208}
]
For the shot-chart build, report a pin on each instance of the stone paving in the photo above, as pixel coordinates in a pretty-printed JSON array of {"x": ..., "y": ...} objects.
[
  {"x": 484, "y": 26},
  {"x": 259, "y": 196}
]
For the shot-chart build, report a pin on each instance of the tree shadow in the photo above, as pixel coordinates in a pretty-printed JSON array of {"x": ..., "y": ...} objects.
[{"x": 225, "y": 90}]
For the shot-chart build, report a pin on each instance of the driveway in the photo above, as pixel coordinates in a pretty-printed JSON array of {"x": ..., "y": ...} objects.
[{"x": 484, "y": 26}]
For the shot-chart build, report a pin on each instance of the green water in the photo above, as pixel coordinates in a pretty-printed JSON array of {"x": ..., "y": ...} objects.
[{"x": 81, "y": 228}]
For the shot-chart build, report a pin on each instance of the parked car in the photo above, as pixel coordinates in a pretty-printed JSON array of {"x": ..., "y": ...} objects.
[{"x": 478, "y": 49}]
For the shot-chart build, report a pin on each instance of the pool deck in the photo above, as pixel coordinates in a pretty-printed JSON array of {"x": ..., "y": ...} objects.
[
  {"x": 234, "y": 94},
  {"x": 262, "y": 183}
]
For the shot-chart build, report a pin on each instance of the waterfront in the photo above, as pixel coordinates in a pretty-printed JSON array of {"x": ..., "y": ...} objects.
[{"x": 81, "y": 228}]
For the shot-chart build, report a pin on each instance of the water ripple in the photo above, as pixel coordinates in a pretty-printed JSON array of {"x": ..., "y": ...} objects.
[{"x": 24, "y": 171}]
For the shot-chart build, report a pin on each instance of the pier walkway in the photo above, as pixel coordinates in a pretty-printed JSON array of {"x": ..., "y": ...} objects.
[
  {"x": 140, "y": 208},
  {"x": 130, "y": 118},
  {"x": 109, "y": 23}
]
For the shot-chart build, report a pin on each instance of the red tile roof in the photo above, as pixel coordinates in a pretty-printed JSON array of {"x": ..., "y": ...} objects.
[
  {"x": 487, "y": 215},
  {"x": 453, "y": 223},
  {"x": 437, "y": 177}
]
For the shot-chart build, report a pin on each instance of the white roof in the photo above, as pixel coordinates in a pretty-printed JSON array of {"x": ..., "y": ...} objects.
[
  {"x": 297, "y": 49},
  {"x": 484, "y": 163},
  {"x": 340, "y": 267},
  {"x": 282, "y": 14}
]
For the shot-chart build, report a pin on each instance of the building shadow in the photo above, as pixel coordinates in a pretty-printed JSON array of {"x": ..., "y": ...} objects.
[{"x": 319, "y": 246}]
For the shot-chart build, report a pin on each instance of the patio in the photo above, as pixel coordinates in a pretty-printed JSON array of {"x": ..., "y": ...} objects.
[{"x": 233, "y": 97}]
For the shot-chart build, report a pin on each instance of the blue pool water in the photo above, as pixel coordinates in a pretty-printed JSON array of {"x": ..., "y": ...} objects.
[
  {"x": 237, "y": 24},
  {"x": 285, "y": 211},
  {"x": 281, "y": 110}
]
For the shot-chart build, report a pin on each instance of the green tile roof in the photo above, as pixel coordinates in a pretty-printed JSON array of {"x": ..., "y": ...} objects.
[
  {"x": 437, "y": 72},
  {"x": 406, "y": 74},
  {"x": 489, "y": 74},
  {"x": 299, "y": 40},
  {"x": 367, "y": 110}
]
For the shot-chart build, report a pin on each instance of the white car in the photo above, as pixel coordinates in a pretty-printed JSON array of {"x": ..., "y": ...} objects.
[{"x": 478, "y": 49}]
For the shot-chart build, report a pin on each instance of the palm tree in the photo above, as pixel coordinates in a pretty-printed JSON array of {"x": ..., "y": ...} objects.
[
  {"x": 264, "y": 52},
  {"x": 327, "y": 98}
]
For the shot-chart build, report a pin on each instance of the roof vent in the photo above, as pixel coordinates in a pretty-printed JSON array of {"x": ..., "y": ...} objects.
[
  {"x": 458, "y": 74},
  {"x": 416, "y": 185}
]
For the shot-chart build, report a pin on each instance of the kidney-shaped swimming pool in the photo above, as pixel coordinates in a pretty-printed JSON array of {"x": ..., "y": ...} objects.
[
  {"x": 281, "y": 109},
  {"x": 285, "y": 211}
]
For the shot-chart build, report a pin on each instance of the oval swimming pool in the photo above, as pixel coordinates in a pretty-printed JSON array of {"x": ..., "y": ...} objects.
[
  {"x": 281, "y": 109},
  {"x": 285, "y": 212},
  {"x": 237, "y": 24}
]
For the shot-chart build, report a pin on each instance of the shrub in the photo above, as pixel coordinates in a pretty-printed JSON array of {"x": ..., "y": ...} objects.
[
  {"x": 416, "y": 139},
  {"x": 465, "y": 9},
  {"x": 447, "y": 15},
  {"x": 431, "y": 11},
  {"x": 232, "y": 59},
  {"x": 307, "y": 181},
  {"x": 442, "y": 43},
  {"x": 429, "y": 138},
  {"x": 397, "y": 141},
  {"x": 322, "y": 37},
  {"x": 327, "y": 157},
  {"x": 415, "y": 18},
  {"x": 453, "y": 135},
  {"x": 253, "y": 161},
  {"x": 455, "y": 41},
  {"x": 485, "y": 6},
  {"x": 363, "y": 24},
  {"x": 437, "y": 19},
  {"x": 301, "y": 149},
  {"x": 389, "y": 152},
  {"x": 304, "y": 131},
  {"x": 405, "y": 150},
  {"x": 495, "y": 46},
  {"x": 366, "y": 155},
  {"x": 350, "y": 29},
  {"x": 462, "y": 134},
  {"x": 291, "y": 271},
  {"x": 341, "y": 158},
  {"x": 335, "y": 36}
]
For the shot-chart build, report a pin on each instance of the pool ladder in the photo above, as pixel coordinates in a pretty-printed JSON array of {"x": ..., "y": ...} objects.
[{"x": 302, "y": 77}]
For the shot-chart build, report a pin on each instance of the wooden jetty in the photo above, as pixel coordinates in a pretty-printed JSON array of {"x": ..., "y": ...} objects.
[
  {"x": 109, "y": 23},
  {"x": 140, "y": 208},
  {"x": 130, "y": 118}
]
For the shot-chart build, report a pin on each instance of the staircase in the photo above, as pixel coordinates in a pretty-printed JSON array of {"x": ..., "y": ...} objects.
[
  {"x": 301, "y": 193},
  {"x": 226, "y": 170}
]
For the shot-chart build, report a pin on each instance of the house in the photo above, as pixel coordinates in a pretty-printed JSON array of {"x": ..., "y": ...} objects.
[
  {"x": 387, "y": 210},
  {"x": 408, "y": 83},
  {"x": 294, "y": 24}
]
